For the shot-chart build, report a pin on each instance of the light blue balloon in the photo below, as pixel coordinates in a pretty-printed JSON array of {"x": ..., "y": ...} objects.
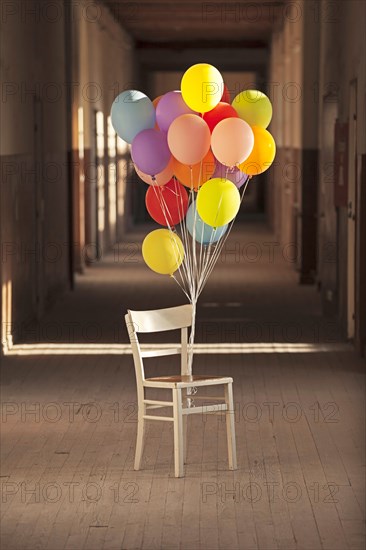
[
  {"x": 205, "y": 234},
  {"x": 132, "y": 111}
]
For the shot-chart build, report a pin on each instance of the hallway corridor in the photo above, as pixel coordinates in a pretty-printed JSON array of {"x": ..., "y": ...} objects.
[
  {"x": 252, "y": 296},
  {"x": 132, "y": 135}
]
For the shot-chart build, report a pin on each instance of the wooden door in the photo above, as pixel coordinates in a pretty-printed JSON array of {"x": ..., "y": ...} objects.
[{"x": 352, "y": 208}]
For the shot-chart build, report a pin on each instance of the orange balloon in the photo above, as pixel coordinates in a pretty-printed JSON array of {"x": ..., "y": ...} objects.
[
  {"x": 159, "y": 179},
  {"x": 201, "y": 172},
  {"x": 155, "y": 103},
  {"x": 262, "y": 155}
]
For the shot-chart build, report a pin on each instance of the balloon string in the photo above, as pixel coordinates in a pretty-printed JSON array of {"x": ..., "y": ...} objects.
[
  {"x": 164, "y": 208},
  {"x": 221, "y": 244},
  {"x": 214, "y": 257},
  {"x": 185, "y": 266},
  {"x": 193, "y": 276},
  {"x": 215, "y": 251},
  {"x": 189, "y": 248},
  {"x": 199, "y": 269},
  {"x": 207, "y": 256},
  {"x": 189, "y": 244},
  {"x": 188, "y": 262},
  {"x": 191, "y": 339},
  {"x": 187, "y": 259},
  {"x": 193, "y": 236},
  {"x": 179, "y": 284},
  {"x": 185, "y": 241},
  {"x": 201, "y": 252}
]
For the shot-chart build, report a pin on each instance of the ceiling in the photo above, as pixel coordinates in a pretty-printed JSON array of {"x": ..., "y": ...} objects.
[{"x": 194, "y": 22}]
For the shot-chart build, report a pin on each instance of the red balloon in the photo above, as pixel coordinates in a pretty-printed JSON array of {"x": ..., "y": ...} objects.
[
  {"x": 167, "y": 203},
  {"x": 226, "y": 95},
  {"x": 221, "y": 111}
]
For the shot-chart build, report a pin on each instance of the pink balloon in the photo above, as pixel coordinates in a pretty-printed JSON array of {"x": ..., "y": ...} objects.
[
  {"x": 189, "y": 139},
  {"x": 160, "y": 179},
  {"x": 232, "y": 140},
  {"x": 170, "y": 107}
]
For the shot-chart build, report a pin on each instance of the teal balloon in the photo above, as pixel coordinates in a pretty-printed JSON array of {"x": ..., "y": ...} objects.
[
  {"x": 204, "y": 234},
  {"x": 132, "y": 111}
]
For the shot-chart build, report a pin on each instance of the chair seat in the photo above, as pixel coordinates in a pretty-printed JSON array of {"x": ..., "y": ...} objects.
[{"x": 186, "y": 381}]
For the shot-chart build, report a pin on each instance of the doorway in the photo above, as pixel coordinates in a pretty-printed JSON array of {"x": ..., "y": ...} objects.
[
  {"x": 327, "y": 225},
  {"x": 38, "y": 296},
  {"x": 352, "y": 208}
]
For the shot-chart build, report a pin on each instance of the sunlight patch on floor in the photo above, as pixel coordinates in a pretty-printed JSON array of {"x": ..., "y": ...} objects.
[{"x": 209, "y": 349}]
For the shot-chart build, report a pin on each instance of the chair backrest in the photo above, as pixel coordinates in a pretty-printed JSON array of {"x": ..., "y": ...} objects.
[{"x": 158, "y": 320}]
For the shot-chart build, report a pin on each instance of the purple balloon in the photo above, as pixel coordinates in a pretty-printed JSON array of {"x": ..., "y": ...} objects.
[
  {"x": 233, "y": 174},
  {"x": 150, "y": 151},
  {"x": 171, "y": 106}
]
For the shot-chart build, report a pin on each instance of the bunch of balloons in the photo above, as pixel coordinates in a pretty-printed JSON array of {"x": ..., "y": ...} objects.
[{"x": 195, "y": 149}]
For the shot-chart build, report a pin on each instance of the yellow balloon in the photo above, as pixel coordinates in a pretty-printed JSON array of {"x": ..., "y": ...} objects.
[
  {"x": 254, "y": 107},
  {"x": 202, "y": 86},
  {"x": 163, "y": 251},
  {"x": 262, "y": 155},
  {"x": 218, "y": 202}
]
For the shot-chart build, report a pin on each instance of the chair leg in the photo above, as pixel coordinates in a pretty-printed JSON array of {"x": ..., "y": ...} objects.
[
  {"x": 178, "y": 432},
  {"x": 185, "y": 429},
  {"x": 140, "y": 436},
  {"x": 230, "y": 427}
]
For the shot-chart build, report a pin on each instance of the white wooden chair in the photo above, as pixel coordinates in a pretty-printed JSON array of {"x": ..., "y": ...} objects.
[{"x": 164, "y": 320}]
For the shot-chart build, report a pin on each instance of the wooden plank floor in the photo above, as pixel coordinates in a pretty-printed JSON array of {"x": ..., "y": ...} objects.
[
  {"x": 68, "y": 433},
  {"x": 69, "y": 426}
]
